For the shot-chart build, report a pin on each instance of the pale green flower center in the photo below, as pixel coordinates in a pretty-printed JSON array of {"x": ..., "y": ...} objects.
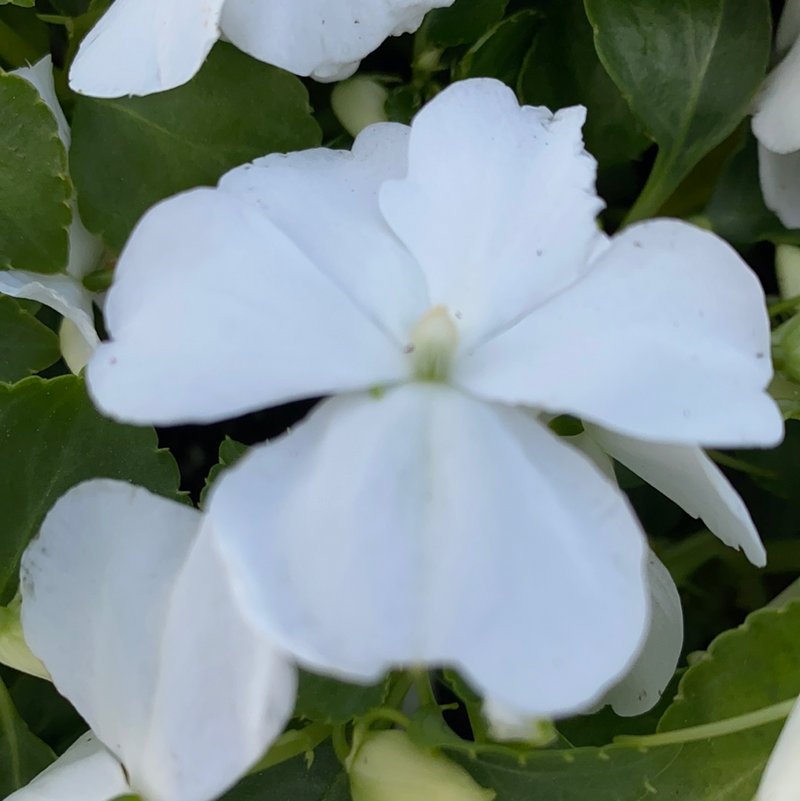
[{"x": 434, "y": 340}]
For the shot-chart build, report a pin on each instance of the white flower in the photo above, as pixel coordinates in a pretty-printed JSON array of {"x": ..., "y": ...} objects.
[
  {"x": 63, "y": 292},
  {"x": 776, "y": 123},
  {"x": 781, "y": 777},
  {"x": 434, "y": 280},
  {"x": 128, "y": 607},
  {"x": 145, "y": 46}
]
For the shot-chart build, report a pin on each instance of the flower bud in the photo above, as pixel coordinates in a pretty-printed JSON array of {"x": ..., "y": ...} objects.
[
  {"x": 358, "y": 103},
  {"x": 387, "y": 766},
  {"x": 74, "y": 347},
  {"x": 787, "y": 269}
]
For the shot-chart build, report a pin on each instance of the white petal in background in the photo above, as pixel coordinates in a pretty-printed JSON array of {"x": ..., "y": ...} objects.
[
  {"x": 781, "y": 778},
  {"x": 499, "y": 205},
  {"x": 780, "y": 184},
  {"x": 443, "y": 530},
  {"x": 88, "y": 771},
  {"x": 215, "y": 312},
  {"x": 667, "y": 339},
  {"x": 689, "y": 478},
  {"x": 130, "y": 614},
  {"x": 776, "y": 121},
  {"x": 326, "y": 202},
  {"x": 144, "y": 46},
  {"x": 64, "y": 293}
]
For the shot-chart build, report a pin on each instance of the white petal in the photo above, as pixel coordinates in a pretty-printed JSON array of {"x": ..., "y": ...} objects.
[
  {"x": 85, "y": 772},
  {"x": 429, "y": 527},
  {"x": 322, "y": 38},
  {"x": 776, "y": 122},
  {"x": 84, "y": 248},
  {"x": 499, "y": 204},
  {"x": 667, "y": 339},
  {"x": 789, "y": 27},
  {"x": 780, "y": 184},
  {"x": 60, "y": 292},
  {"x": 689, "y": 478},
  {"x": 643, "y": 685},
  {"x": 214, "y": 312},
  {"x": 145, "y": 46},
  {"x": 326, "y": 202},
  {"x": 509, "y": 724},
  {"x": 137, "y": 630},
  {"x": 781, "y": 778}
]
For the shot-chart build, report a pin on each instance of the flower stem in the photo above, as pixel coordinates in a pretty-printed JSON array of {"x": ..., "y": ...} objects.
[
  {"x": 706, "y": 731},
  {"x": 422, "y": 683},
  {"x": 340, "y": 745}
]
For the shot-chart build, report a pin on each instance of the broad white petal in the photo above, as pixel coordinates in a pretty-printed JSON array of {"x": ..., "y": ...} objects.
[
  {"x": 84, "y": 248},
  {"x": 322, "y": 38},
  {"x": 144, "y": 46},
  {"x": 780, "y": 184},
  {"x": 86, "y": 772},
  {"x": 689, "y": 478},
  {"x": 776, "y": 122},
  {"x": 499, "y": 204},
  {"x": 667, "y": 339},
  {"x": 781, "y": 778},
  {"x": 645, "y": 681},
  {"x": 429, "y": 527},
  {"x": 789, "y": 27},
  {"x": 326, "y": 202},
  {"x": 60, "y": 292},
  {"x": 137, "y": 630},
  {"x": 215, "y": 312}
]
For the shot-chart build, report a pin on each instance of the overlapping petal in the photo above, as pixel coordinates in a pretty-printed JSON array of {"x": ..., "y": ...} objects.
[
  {"x": 144, "y": 46},
  {"x": 780, "y": 184},
  {"x": 215, "y": 312},
  {"x": 131, "y": 615},
  {"x": 326, "y": 202},
  {"x": 666, "y": 339},
  {"x": 776, "y": 121},
  {"x": 443, "y": 530},
  {"x": 499, "y": 204},
  {"x": 689, "y": 478},
  {"x": 322, "y": 38},
  {"x": 87, "y": 771},
  {"x": 780, "y": 778}
]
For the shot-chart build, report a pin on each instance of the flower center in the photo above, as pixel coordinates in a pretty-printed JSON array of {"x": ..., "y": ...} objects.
[{"x": 434, "y": 340}]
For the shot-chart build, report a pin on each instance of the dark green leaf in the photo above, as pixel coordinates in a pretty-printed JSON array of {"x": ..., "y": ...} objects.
[
  {"x": 26, "y": 346},
  {"x": 689, "y": 70},
  {"x": 325, "y": 699},
  {"x": 34, "y": 186},
  {"x": 230, "y": 451},
  {"x": 464, "y": 22},
  {"x": 53, "y": 438},
  {"x": 129, "y": 153},
  {"x": 22, "y": 756}
]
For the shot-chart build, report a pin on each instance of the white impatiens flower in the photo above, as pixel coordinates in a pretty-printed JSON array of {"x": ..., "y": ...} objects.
[
  {"x": 126, "y": 603},
  {"x": 63, "y": 292},
  {"x": 781, "y": 778},
  {"x": 776, "y": 123},
  {"x": 435, "y": 281},
  {"x": 145, "y": 46}
]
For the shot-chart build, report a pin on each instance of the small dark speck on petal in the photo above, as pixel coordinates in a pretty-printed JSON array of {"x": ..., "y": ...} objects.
[
  {"x": 686, "y": 413},
  {"x": 638, "y": 245},
  {"x": 539, "y": 252},
  {"x": 113, "y": 360},
  {"x": 760, "y": 355}
]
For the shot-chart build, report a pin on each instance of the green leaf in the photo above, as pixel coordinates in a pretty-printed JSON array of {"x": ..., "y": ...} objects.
[
  {"x": 500, "y": 52},
  {"x": 130, "y": 152},
  {"x": 23, "y": 3},
  {"x": 26, "y": 345},
  {"x": 230, "y": 451},
  {"x": 463, "y": 22},
  {"x": 22, "y": 756},
  {"x": 324, "y": 780},
  {"x": 325, "y": 699},
  {"x": 53, "y": 438},
  {"x": 689, "y": 70},
  {"x": 562, "y": 69},
  {"x": 34, "y": 186}
]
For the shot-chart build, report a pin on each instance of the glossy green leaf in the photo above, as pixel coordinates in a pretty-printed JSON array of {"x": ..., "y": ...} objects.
[
  {"x": 326, "y": 699},
  {"x": 26, "y": 345},
  {"x": 689, "y": 70},
  {"x": 53, "y": 438},
  {"x": 128, "y": 153},
  {"x": 22, "y": 755},
  {"x": 463, "y": 22},
  {"x": 230, "y": 451},
  {"x": 324, "y": 780},
  {"x": 562, "y": 69},
  {"x": 34, "y": 186}
]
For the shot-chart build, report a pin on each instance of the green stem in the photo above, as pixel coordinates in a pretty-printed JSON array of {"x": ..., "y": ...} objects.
[
  {"x": 15, "y": 50},
  {"x": 706, "y": 731},
  {"x": 783, "y": 306},
  {"x": 340, "y": 745},
  {"x": 422, "y": 683},
  {"x": 727, "y": 460},
  {"x": 399, "y": 690},
  {"x": 385, "y": 713},
  {"x": 292, "y": 743}
]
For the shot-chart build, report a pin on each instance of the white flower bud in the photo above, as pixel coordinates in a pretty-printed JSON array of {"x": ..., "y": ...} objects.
[
  {"x": 387, "y": 766},
  {"x": 358, "y": 103}
]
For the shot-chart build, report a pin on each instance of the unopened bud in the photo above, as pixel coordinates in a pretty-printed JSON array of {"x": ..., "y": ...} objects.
[
  {"x": 359, "y": 102},
  {"x": 787, "y": 269},
  {"x": 387, "y": 766},
  {"x": 74, "y": 347}
]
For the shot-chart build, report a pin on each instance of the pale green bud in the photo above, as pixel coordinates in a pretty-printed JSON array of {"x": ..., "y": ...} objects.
[
  {"x": 787, "y": 269},
  {"x": 387, "y": 766},
  {"x": 74, "y": 347},
  {"x": 14, "y": 651},
  {"x": 359, "y": 102}
]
